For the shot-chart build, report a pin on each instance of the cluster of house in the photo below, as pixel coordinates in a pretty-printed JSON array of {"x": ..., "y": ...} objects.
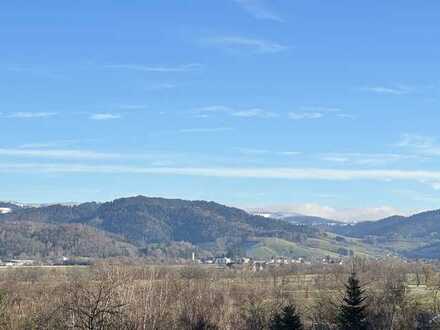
[
  {"x": 256, "y": 264},
  {"x": 63, "y": 261},
  {"x": 16, "y": 262},
  {"x": 260, "y": 264}
]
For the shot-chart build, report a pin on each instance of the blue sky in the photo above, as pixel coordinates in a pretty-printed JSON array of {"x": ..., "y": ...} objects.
[{"x": 320, "y": 107}]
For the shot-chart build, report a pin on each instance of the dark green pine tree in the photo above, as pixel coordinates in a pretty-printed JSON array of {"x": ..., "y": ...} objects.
[
  {"x": 287, "y": 319},
  {"x": 351, "y": 314}
]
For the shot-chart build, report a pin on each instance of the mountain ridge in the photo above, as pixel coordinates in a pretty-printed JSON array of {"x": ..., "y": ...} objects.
[
  {"x": 143, "y": 221},
  {"x": 139, "y": 224}
]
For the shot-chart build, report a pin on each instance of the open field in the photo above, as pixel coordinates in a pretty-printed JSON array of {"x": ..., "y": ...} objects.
[
  {"x": 327, "y": 244},
  {"x": 6, "y": 268},
  {"x": 136, "y": 296}
]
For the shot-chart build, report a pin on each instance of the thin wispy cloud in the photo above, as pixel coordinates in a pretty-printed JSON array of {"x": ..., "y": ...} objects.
[
  {"x": 51, "y": 144},
  {"x": 30, "y": 115},
  {"x": 266, "y": 152},
  {"x": 259, "y": 9},
  {"x": 250, "y": 44},
  {"x": 36, "y": 145},
  {"x": 305, "y": 115},
  {"x": 234, "y": 172},
  {"x": 436, "y": 185},
  {"x": 48, "y": 152},
  {"x": 318, "y": 112},
  {"x": 367, "y": 159},
  {"x": 255, "y": 112},
  {"x": 340, "y": 214},
  {"x": 397, "y": 90},
  {"x": 212, "y": 109},
  {"x": 59, "y": 154},
  {"x": 416, "y": 195},
  {"x": 159, "y": 69},
  {"x": 345, "y": 116},
  {"x": 105, "y": 116},
  {"x": 204, "y": 130},
  {"x": 234, "y": 112},
  {"x": 425, "y": 145},
  {"x": 321, "y": 109}
]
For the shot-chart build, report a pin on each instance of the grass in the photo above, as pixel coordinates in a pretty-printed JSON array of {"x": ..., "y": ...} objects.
[
  {"x": 325, "y": 245},
  {"x": 270, "y": 247}
]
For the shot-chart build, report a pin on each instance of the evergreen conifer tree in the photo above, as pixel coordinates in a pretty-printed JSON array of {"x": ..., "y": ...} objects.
[
  {"x": 352, "y": 314},
  {"x": 287, "y": 319}
]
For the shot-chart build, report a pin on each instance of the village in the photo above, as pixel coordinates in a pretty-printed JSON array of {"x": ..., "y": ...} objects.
[
  {"x": 257, "y": 264},
  {"x": 217, "y": 261}
]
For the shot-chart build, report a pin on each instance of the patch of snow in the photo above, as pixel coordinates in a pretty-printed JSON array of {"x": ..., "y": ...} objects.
[
  {"x": 4, "y": 210},
  {"x": 273, "y": 215}
]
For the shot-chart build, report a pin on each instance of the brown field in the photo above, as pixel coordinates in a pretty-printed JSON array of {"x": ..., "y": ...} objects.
[{"x": 137, "y": 296}]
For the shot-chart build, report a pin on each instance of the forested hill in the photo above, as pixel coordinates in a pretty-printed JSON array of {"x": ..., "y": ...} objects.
[
  {"x": 141, "y": 221},
  {"x": 8, "y": 206},
  {"x": 425, "y": 225},
  {"x": 416, "y": 236},
  {"x": 142, "y": 225}
]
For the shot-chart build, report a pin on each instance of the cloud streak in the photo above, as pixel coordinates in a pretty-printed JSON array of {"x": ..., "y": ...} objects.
[
  {"x": 158, "y": 69},
  {"x": 259, "y": 10},
  {"x": 340, "y": 214},
  {"x": 234, "y": 172},
  {"x": 243, "y": 113},
  {"x": 425, "y": 145},
  {"x": 59, "y": 154},
  {"x": 254, "y": 113},
  {"x": 318, "y": 112},
  {"x": 204, "y": 130},
  {"x": 367, "y": 159},
  {"x": 305, "y": 115},
  {"x": 30, "y": 115},
  {"x": 399, "y": 90},
  {"x": 265, "y": 152},
  {"x": 241, "y": 43},
  {"x": 105, "y": 116}
]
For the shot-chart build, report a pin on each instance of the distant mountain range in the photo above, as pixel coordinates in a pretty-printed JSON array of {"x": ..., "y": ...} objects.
[
  {"x": 296, "y": 218},
  {"x": 173, "y": 227},
  {"x": 143, "y": 223},
  {"x": 6, "y": 207},
  {"x": 425, "y": 225},
  {"x": 416, "y": 236}
]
